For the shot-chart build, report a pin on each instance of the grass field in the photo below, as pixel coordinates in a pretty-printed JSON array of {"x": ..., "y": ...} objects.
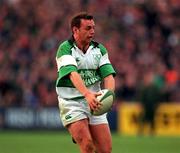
[{"x": 60, "y": 142}]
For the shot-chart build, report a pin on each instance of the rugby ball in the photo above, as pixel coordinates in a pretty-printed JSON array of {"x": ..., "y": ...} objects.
[{"x": 106, "y": 98}]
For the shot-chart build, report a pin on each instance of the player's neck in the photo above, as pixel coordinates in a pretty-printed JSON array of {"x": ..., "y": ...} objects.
[{"x": 82, "y": 45}]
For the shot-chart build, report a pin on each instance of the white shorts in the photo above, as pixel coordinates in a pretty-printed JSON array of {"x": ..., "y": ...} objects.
[{"x": 72, "y": 111}]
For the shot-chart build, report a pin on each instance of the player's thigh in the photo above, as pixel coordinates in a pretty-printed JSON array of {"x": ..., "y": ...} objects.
[
  {"x": 101, "y": 136},
  {"x": 80, "y": 131}
]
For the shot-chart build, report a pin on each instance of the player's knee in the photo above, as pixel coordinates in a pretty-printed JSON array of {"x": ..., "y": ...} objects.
[
  {"x": 85, "y": 144},
  {"x": 89, "y": 146},
  {"x": 105, "y": 149}
]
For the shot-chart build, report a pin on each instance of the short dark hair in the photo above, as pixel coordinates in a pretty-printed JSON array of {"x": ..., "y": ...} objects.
[{"x": 76, "y": 19}]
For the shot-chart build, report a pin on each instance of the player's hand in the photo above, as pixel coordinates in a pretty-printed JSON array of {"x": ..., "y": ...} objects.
[{"x": 93, "y": 103}]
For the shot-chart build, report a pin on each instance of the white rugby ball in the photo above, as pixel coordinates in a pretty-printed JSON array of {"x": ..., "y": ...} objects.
[{"x": 106, "y": 98}]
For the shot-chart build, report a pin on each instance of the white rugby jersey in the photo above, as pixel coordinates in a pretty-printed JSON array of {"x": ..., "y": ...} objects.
[{"x": 92, "y": 66}]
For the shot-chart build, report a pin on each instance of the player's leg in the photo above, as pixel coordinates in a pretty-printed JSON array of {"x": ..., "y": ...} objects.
[
  {"x": 80, "y": 132},
  {"x": 100, "y": 133},
  {"x": 73, "y": 116},
  {"x": 101, "y": 137}
]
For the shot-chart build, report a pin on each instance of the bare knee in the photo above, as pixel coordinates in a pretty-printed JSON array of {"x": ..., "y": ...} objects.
[
  {"x": 104, "y": 149},
  {"x": 81, "y": 134},
  {"x": 89, "y": 146},
  {"x": 86, "y": 145}
]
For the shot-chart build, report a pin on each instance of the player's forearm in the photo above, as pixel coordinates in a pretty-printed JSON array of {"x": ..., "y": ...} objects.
[
  {"x": 109, "y": 83},
  {"x": 78, "y": 83}
]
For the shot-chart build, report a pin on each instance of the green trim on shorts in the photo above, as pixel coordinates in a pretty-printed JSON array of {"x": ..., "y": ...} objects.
[{"x": 76, "y": 98}]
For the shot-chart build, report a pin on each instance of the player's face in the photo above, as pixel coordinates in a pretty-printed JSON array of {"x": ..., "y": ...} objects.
[{"x": 86, "y": 31}]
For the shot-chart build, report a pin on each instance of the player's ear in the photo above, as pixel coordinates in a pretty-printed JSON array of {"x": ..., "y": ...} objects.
[{"x": 75, "y": 29}]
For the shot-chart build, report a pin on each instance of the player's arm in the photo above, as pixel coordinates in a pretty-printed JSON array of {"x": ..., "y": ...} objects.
[
  {"x": 106, "y": 70},
  {"x": 78, "y": 83},
  {"x": 80, "y": 86},
  {"x": 109, "y": 82}
]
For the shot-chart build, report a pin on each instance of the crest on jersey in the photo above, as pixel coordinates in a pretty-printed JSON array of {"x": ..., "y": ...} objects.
[
  {"x": 97, "y": 58},
  {"x": 78, "y": 60}
]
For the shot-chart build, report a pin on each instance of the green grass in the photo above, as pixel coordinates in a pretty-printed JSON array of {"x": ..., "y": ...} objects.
[{"x": 60, "y": 142}]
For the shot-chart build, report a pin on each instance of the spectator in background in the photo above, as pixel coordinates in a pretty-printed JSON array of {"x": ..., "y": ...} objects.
[
  {"x": 149, "y": 96},
  {"x": 11, "y": 94}
]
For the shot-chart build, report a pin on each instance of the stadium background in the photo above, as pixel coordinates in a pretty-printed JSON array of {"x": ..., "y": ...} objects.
[{"x": 142, "y": 37}]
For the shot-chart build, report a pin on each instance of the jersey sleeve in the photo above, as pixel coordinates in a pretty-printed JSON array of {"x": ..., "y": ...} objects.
[
  {"x": 105, "y": 66},
  {"x": 65, "y": 62}
]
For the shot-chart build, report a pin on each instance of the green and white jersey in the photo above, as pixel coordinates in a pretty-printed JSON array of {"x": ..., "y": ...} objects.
[{"x": 92, "y": 66}]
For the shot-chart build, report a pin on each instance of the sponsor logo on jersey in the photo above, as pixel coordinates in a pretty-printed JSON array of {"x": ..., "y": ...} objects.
[{"x": 89, "y": 76}]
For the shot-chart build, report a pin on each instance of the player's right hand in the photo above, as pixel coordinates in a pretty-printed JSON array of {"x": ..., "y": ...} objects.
[{"x": 91, "y": 98}]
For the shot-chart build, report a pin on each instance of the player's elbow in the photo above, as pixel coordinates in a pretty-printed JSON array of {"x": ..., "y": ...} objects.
[{"x": 109, "y": 82}]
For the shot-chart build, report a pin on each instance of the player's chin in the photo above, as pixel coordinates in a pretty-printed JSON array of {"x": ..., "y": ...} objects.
[{"x": 89, "y": 39}]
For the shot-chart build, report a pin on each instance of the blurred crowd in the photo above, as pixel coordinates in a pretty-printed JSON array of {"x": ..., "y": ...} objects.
[{"x": 142, "y": 37}]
